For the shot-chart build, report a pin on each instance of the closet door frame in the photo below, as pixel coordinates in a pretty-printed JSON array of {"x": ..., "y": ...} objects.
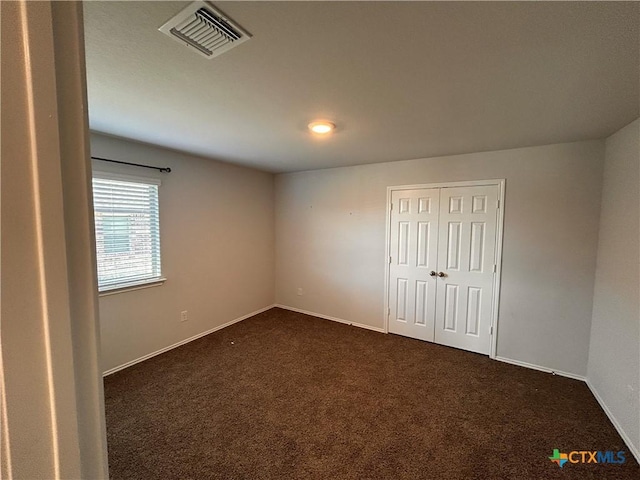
[{"x": 495, "y": 301}]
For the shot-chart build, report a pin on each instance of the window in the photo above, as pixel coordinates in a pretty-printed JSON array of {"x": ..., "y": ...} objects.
[{"x": 127, "y": 231}]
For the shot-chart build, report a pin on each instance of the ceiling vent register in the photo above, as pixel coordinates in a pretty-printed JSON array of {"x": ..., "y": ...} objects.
[{"x": 206, "y": 29}]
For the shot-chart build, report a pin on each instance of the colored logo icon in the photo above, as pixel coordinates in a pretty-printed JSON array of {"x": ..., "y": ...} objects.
[{"x": 559, "y": 458}]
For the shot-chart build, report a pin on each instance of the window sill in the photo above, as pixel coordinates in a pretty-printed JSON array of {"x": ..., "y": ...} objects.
[{"x": 114, "y": 290}]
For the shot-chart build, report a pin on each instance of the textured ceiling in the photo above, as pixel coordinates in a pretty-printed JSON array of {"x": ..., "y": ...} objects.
[{"x": 401, "y": 80}]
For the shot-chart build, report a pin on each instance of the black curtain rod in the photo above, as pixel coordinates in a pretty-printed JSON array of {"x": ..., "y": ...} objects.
[{"x": 162, "y": 169}]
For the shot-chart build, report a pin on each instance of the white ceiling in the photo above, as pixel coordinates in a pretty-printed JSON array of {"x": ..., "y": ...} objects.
[{"x": 401, "y": 80}]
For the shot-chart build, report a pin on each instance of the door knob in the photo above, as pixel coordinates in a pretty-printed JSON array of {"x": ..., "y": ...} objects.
[
  {"x": 432, "y": 273},
  {"x": 442, "y": 274}
]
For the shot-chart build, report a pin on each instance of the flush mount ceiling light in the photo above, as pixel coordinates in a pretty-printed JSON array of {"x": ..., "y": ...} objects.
[{"x": 321, "y": 127}]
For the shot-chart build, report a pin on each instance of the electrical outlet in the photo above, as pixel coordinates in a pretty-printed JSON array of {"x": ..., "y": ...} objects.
[
  {"x": 300, "y": 292},
  {"x": 184, "y": 316}
]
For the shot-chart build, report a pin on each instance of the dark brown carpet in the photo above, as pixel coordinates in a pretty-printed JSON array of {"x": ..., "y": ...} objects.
[{"x": 284, "y": 395}]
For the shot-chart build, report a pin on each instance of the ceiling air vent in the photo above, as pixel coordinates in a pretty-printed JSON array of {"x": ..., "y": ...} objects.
[{"x": 206, "y": 29}]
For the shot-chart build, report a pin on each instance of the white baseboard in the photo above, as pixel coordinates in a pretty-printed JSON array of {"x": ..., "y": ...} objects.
[
  {"x": 533, "y": 366},
  {"x": 182, "y": 342},
  {"x": 333, "y": 319},
  {"x": 633, "y": 448}
]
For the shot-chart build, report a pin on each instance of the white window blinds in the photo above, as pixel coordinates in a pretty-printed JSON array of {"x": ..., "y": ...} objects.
[{"x": 127, "y": 231}]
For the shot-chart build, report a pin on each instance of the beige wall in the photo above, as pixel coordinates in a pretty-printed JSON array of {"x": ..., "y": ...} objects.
[
  {"x": 217, "y": 242},
  {"x": 614, "y": 355},
  {"x": 330, "y": 241},
  {"x": 51, "y": 388}
]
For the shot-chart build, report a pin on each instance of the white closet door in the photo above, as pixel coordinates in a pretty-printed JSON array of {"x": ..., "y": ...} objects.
[
  {"x": 466, "y": 258},
  {"x": 413, "y": 249}
]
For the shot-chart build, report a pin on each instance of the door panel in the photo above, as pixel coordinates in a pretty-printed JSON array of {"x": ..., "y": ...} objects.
[
  {"x": 466, "y": 255},
  {"x": 413, "y": 248}
]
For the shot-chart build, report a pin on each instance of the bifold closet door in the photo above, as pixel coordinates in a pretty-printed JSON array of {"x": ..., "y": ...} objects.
[
  {"x": 466, "y": 258},
  {"x": 413, "y": 256}
]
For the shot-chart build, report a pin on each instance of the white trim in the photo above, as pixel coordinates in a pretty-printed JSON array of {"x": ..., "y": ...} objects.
[
  {"x": 614, "y": 421},
  {"x": 182, "y": 342},
  {"x": 128, "y": 287},
  {"x": 124, "y": 177},
  {"x": 540, "y": 368},
  {"x": 497, "y": 278},
  {"x": 387, "y": 255},
  {"x": 470, "y": 183},
  {"x": 333, "y": 319},
  {"x": 500, "y": 183},
  {"x": 632, "y": 448}
]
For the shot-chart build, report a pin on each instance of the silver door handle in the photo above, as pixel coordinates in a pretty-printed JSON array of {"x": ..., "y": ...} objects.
[
  {"x": 432, "y": 273},
  {"x": 442, "y": 274}
]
